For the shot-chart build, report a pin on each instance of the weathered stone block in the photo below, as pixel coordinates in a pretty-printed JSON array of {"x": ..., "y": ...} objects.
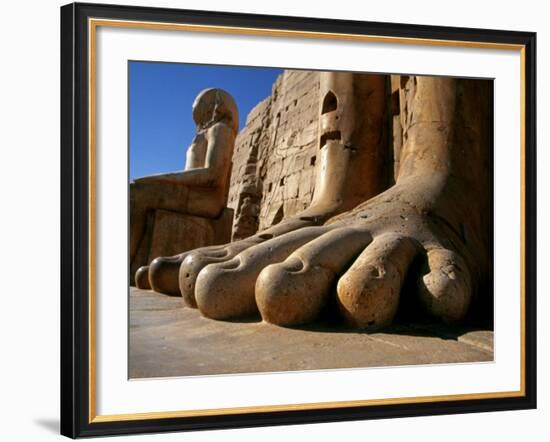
[
  {"x": 279, "y": 139},
  {"x": 170, "y": 233}
]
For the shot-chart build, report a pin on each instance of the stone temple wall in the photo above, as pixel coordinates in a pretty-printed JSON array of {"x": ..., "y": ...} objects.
[{"x": 275, "y": 154}]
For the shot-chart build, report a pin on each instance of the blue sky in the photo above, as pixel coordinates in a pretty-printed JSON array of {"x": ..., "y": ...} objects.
[{"x": 160, "y": 99}]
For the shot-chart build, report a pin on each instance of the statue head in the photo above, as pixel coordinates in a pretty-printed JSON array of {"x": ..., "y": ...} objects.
[{"x": 215, "y": 105}]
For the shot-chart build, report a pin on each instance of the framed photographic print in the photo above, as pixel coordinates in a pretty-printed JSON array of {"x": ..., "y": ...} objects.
[{"x": 274, "y": 220}]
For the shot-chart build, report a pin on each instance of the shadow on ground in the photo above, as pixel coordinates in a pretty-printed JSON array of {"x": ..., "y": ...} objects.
[{"x": 52, "y": 425}]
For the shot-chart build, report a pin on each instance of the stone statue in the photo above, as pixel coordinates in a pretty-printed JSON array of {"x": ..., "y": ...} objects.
[
  {"x": 201, "y": 189},
  {"x": 359, "y": 242},
  {"x": 435, "y": 211}
]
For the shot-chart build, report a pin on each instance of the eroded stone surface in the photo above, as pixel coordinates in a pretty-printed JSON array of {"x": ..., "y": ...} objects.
[
  {"x": 173, "y": 233},
  {"x": 275, "y": 155},
  {"x": 278, "y": 153},
  {"x": 187, "y": 232}
]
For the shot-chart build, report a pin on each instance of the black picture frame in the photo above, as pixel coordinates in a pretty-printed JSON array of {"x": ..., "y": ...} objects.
[{"x": 76, "y": 418}]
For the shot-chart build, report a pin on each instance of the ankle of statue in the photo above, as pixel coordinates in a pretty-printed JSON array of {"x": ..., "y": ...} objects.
[{"x": 428, "y": 176}]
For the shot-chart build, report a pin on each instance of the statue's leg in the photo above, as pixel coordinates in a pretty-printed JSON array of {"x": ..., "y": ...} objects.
[
  {"x": 144, "y": 198},
  {"x": 139, "y": 205},
  {"x": 435, "y": 215}
]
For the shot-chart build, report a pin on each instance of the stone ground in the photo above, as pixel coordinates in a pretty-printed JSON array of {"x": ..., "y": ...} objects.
[{"x": 169, "y": 339}]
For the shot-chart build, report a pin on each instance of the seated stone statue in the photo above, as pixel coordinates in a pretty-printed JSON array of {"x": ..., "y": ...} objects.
[
  {"x": 202, "y": 188},
  {"x": 431, "y": 227}
]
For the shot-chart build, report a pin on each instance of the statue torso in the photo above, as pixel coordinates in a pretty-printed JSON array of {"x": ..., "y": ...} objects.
[{"x": 196, "y": 152}]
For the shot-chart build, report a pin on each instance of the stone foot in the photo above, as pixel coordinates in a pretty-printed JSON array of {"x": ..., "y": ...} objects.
[
  {"x": 226, "y": 289},
  {"x": 360, "y": 260}
]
